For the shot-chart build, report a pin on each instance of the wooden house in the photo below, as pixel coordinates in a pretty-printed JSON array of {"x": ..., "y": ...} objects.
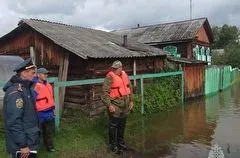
[
  {"x": 191, "y": 40},
  {"x": 75, "y": 53},
  {"x": 191, "y": 37}
]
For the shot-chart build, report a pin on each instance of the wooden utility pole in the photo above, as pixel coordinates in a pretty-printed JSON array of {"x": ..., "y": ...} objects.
[{"x": 191, "y": 10}]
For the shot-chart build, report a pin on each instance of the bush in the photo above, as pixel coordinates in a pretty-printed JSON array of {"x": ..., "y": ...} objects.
[{"x": 161, "y": 94}]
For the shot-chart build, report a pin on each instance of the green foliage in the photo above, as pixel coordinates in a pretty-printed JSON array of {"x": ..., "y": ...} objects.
[
  {"x": 225, "y": 35},
  {"x": 218, "y": 59},
  {"x": 232, "y": 55},
  {"x": 162, "y": 94}
]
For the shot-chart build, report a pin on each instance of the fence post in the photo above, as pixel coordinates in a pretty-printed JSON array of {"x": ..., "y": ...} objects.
[
  {"x": 57, "y": 102},
  {"x": 182, "y": 87},
  {"x": 142, "y": 95}
]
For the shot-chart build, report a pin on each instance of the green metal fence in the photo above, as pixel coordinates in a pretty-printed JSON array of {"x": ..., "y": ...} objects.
[
  {"x": 219, "y": 77},
  {"x": 58, "y": 84}
]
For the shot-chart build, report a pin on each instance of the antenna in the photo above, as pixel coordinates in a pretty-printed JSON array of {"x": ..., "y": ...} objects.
[{"x": 191, "y": 9}]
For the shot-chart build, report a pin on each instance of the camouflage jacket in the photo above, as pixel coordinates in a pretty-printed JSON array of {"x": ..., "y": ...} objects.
[{"x": 121, "y": 104}]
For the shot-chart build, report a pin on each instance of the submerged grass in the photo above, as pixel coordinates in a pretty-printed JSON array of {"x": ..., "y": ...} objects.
[{"x": 81, "y": 136}]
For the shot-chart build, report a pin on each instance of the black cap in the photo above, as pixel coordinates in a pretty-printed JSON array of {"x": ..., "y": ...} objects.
[{"x": 25, "y": 65}]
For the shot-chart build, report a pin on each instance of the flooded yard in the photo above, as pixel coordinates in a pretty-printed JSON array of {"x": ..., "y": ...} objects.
[{"x": 189, "y": 131}]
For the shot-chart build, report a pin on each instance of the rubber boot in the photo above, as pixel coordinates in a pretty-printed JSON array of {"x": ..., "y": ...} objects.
[
  {"x": 120, "y": 137},
  {"x": 113, "y": 145}
]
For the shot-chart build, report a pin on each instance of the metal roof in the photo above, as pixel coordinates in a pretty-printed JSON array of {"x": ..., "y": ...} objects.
[
  {"x": 88, "y": 43},
  {"x": 185, "y": 60}
]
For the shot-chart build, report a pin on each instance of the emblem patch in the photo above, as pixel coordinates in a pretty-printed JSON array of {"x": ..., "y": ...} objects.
[{"x": 19, "y": 103}]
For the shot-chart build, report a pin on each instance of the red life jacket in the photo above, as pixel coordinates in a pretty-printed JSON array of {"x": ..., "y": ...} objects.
[
  {"x": 120, "y": 85},
  {"x": 45, "y": 98}
]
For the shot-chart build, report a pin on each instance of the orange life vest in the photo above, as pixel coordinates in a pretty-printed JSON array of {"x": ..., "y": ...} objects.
[
  {"x": 45, "y": 98},
  {"x": 120, "y": 85}
]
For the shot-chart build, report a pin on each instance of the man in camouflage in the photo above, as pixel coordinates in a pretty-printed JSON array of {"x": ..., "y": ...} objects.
[{"x": 118, "y": 107}]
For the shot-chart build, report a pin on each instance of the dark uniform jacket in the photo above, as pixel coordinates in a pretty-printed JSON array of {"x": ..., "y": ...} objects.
[{"x": 20, "y": 116}]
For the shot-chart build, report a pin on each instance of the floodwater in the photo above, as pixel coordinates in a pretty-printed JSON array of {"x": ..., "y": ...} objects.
[{"x": 190, "y": 131}]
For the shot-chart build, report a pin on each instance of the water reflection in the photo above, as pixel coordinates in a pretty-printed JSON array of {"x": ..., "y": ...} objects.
[{"x": 190, "y": 131}]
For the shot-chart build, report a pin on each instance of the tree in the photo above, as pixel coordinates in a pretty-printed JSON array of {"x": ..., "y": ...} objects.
[
  {"x": 216, "y": 32},
  {"x": 233, "y": 56},
  {"x": 225, "y": 35}
]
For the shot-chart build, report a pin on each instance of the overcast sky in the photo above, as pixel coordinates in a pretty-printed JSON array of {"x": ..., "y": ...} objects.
[{"x": 115, "y": 14}]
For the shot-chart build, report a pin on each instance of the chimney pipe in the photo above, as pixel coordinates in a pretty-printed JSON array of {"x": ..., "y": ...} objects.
[{"x": 124, "y": 40}]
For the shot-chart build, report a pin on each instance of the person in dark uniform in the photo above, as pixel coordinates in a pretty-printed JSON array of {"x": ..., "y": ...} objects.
[
  {"x": 20, "y": 116},
  {"x": 118, "y": 98}
]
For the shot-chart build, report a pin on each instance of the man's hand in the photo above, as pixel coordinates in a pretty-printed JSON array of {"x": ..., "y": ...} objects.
[
  {"x": 25, "y": 152},
  {"x": 111, "y": 108},
  {"x": 130, "y": 105}
]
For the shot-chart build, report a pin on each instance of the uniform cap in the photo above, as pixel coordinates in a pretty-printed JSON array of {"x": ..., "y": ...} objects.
[{"x": 25, "y": 65}]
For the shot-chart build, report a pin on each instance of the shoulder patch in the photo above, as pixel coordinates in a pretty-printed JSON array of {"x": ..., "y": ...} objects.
[{"x": 19, "y": 103}]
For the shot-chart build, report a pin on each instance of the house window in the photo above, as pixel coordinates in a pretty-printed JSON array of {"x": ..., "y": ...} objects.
[{"x": 172, "y": 50}]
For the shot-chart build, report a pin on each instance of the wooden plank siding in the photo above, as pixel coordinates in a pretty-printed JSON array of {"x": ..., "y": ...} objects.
[
  {"x": 194, "y": 80},
  {"x": 88, "y": 98},
  {"x": 47, "y": 53},
  {"x": 50, "y": 55},
  {"x": 19, "y": 45},
  {"x": 183, "y": 48},
  {"x": 189, "y": 51},
  {"x": 202, "y": 35}
]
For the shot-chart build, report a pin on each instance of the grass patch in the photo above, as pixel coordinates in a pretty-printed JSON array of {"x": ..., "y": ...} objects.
[
  {"x": 81, "y": 136},
  {"x": 160, "y": 95}
]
